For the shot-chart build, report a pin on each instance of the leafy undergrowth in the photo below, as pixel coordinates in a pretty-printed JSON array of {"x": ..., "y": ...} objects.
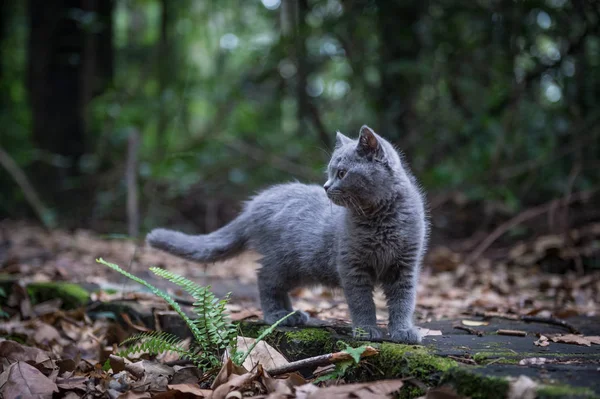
[
  {"x": 32, "y": 372},
  {"x": 67, "y": 354},
  {"x": 518, "y": 280},
  {"x": 52, "y": 347}
]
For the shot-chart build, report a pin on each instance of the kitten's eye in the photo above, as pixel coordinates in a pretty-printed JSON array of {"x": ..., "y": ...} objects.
[{"x": 341, "y": 173}]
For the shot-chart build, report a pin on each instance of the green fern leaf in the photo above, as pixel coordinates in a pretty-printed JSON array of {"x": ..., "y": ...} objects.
[
  {"x": 157, "y": 342},
  {"x": 189, "y": 322}
]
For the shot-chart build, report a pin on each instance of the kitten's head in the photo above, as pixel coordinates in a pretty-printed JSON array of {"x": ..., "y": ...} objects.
[{"x": 363, "y": 172}]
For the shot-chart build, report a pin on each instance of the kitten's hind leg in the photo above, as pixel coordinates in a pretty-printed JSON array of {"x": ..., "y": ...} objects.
[{"x": 276, "y": 303}]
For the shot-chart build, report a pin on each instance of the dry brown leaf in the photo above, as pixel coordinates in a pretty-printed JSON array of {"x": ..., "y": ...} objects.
[
  {"x": 237, "y": 383},
  {"x": 571, "y": 339},
  {"x": 474, "y": 323},
  {"x": 72, "y": 383},
  {"x": 117, "y": 363},
  {"x": 151, "y": 376},
  {"x": 14, "y": 352},
  {"x": 245, "y": 314},
  {"x": 283, "y": 386},
  {"x": 21, "y": 380},
  {"x": 542, "y": 341},
  {"x": 594, "y": 339},
  {"x": 228, "y": 370},
  {"x": 305, "y": 391},
  {"x": 135, "y": 395},
  {"x": 193, "y": 389},
  {"x": 45, "y": 334},
  {"x": 441, "y": 393},
  {"x": 425, "y": 332},
  {"x": 369, "y": 390},
  {"x": 47, "y": 307},
  {"x": 262, "y": 353}
]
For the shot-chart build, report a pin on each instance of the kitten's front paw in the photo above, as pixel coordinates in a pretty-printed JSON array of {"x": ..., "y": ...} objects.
[
  {"x": 408, "y": 336},
  {"x": 367, "y": 333},
  {"x": 297, "y": 319}
]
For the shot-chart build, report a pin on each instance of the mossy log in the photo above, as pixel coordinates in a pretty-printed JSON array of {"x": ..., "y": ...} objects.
[
  {"x": 71, "y": 295},
  {"x": 417, "y": 362}
]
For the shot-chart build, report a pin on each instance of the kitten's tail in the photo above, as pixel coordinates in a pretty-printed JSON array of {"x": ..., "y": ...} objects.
[{"x": 224, "y": 243}]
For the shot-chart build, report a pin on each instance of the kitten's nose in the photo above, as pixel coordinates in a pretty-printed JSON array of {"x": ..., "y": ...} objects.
[{"x": 326, "y": 186}]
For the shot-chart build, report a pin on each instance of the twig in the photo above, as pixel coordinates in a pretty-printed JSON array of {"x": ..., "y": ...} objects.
[
  {"x": 530, "y": 319},
  {"x": 514, "y": 333},
  {"x": 520, "y": 218},
  {"x": 470, "y": 330},
  {"x": 494, "y": 361},
  {"x": 463, "y": 359},
  {"x": 321, "y": 360},
  {"x": 550, "y": 320},
  {"x": 30, "y": 194},
  {"x": 133, "y": 215}
]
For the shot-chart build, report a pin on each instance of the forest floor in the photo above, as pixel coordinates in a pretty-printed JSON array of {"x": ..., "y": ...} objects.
[{"x": 464, "y": 311}]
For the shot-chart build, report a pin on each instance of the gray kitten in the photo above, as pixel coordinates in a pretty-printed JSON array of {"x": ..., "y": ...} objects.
[{"x": 367, "y": 227}]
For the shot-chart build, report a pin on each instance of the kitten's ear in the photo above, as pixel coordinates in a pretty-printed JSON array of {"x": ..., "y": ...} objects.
[
  {"x": 340, "y": 140},
  {"x": 368, "y": 143}
]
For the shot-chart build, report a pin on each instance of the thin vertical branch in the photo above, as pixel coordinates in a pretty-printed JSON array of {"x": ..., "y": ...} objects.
[
  {"x": 163, "y": 71},
  {"x": 133, "y": 215}
]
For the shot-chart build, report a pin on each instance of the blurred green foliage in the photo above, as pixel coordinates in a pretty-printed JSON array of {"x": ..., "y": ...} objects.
[{"x": 496, "y": 99}]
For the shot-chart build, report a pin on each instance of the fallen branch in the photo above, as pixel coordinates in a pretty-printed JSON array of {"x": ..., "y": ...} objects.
[
  {"x": 550, "y": 320},
  {"x": 470, "y": 330},
  {"x": 513, "y": 333},
  {"x": 31, "y": 195},
  {"x": 529, "y": 319},
  {"x": 523, "y": 217},
  {"x": 321, "y": 360}
]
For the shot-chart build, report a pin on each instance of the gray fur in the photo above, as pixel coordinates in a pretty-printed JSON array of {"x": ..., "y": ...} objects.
[{"x": 368, "y": 227}]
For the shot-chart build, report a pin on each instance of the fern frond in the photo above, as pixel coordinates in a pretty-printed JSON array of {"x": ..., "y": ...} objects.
[
  {"x": 213, "y": 324},
  {"x": 192, "y": 288},
  {"x": 166, "y": 297},
  {"x": 156, "y": 342}
]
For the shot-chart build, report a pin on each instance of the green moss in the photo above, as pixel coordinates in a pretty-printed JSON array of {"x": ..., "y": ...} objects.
[
  {"x": 398, "y": 361},
  {"x": 497, "y": 357},
  {"x": 313, "y": 341},
  {"x": 474, "y": 385},
  {"x": 72, "y": 295},
  {"x": 251, "y": 329},
  {"x": 564, "y": 391},
  {"x": 480, "y": 357},
  {"x": 410, "y": 392}
]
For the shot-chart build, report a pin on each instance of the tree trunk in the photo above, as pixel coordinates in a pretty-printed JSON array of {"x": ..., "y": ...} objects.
[
  {"x": 399, "y": 46},
  {"x": 68, "y": 64},
  {"x": 164, "y": 57}
]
